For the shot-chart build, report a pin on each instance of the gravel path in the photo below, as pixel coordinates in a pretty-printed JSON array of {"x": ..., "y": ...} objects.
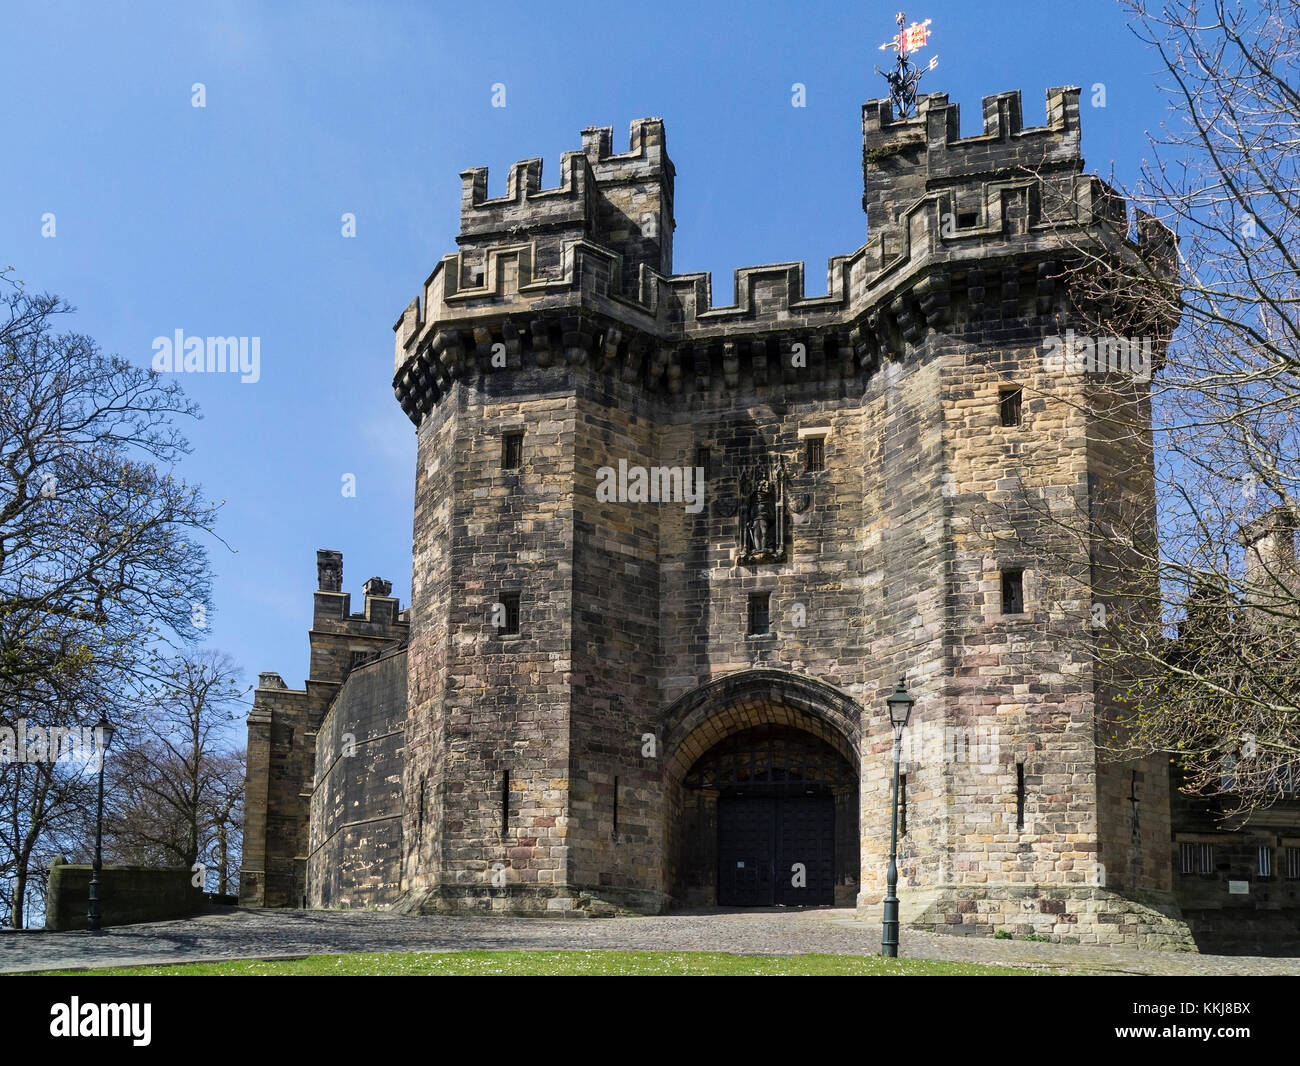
[{"x": 240, "y": 933}]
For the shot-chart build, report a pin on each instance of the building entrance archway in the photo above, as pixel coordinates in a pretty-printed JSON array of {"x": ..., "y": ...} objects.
[{"x": 763, "y": 793}]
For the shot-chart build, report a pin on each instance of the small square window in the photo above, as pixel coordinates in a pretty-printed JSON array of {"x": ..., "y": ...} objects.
[
  {"x": 815, "y": 454},
  {"x": 508, "y": 615},
  {"x": 759, "y": 613},
  {"x": 1013, "y": 592},
  {"x": 1010, "y": 406},
  {"x": 512, "y": 451},
  {"x": 967, "y": 219},
  {"x": 356, "y": 659},
  {"x": 1196, "y": 858}
]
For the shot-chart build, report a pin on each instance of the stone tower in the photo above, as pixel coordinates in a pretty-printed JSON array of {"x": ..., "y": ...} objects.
[{"x": 632, "y": 685}]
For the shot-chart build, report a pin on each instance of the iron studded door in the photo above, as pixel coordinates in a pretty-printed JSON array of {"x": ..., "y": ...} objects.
[
  {"x": 805, "y": 869},
  {"x": 746, "y": 850}
]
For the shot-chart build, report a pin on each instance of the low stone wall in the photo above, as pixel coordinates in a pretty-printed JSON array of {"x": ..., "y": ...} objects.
[
  {"x": 551, "y": 901},
  {"x": 1063, "y": 914},
  {"x": 127, "y": 894}
]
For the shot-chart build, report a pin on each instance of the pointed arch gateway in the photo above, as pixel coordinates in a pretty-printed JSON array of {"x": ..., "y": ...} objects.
[{"x": 761, "y": 773}]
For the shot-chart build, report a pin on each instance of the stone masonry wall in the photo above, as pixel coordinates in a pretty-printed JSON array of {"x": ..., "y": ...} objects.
[
  {"x": 282, "y": 733},
  {"x": 356, "y": 804},
  {"x": 615, "y": 684}
]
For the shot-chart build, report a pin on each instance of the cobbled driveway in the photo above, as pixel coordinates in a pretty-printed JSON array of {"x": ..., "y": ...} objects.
[{"x": 242, "y": 934}]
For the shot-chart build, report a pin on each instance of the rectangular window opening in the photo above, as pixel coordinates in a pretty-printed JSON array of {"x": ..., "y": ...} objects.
[
  {"x": 512, "y": 451},
  {"x": 759, "y": 613},
  {"x": 1013, "y": 592},
  {"x": 967, "y": 219},
  {"x": 1020, "y": 795},
  {"x": 505, "y": 803},
  {"x": 702, "y": 459},
  {"x": 1009, "y": 405},
  {"x": 508, "y": 615},
  {"x": 1187, "y": 858},
  {"x": 814, "y": 454},
  {"x": 1265, "y": 862},
  {"x": 419, "y": 814},
  {"x": 1292, "y": 860},
  {"x": 1134, "y": 802},
  {"x": 616, "y": 807}
]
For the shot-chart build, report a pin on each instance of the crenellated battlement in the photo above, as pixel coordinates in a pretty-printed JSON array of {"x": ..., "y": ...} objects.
[
  {"x": 939, "y": 121},
  {"x": 526, "y": 204},
  {"x": 645, "y": 158},
  {"x": 903, "y": 159},
  {"x": 621, "y": 201},
  {"x": 958, "y": 228}
]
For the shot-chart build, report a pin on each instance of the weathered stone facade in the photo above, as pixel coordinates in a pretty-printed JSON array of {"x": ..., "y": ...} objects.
[
  {"x": 596, "y": 683},
  {"x": 283, "y": 729},
  {"x": 355, "y": 853}
]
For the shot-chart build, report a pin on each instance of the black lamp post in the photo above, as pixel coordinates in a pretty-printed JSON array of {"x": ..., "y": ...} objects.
[
  {"x": 104, "y": 734},
  {"x": 900, "y": 709}
]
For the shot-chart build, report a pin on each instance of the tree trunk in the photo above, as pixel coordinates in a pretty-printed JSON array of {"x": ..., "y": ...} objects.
[{"x": 20, "y": 893}]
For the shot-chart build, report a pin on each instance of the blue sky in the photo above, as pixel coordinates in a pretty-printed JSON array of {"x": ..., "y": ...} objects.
[{"x": 226, "y": 219}]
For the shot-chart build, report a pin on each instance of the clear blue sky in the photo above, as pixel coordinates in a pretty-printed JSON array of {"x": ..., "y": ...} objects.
[{"x": 225, "y": 220}]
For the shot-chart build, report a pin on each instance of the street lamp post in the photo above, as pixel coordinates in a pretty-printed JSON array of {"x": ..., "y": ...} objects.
[
  {"x": 900, "y": 708},
  {"x": 104, "y": 733}
]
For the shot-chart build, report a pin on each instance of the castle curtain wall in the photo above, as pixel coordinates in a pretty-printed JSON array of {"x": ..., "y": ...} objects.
[{"x": 355, "y": 848}]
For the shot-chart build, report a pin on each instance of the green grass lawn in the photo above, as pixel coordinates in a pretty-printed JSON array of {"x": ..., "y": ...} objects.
[{"x": 569, "y": 964}]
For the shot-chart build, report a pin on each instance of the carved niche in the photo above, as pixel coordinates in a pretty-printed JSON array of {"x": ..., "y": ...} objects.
[{"x": 762, "y": 490}]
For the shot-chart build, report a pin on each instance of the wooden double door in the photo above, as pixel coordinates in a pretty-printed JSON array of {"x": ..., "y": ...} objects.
[{"x": 776, "y": 850}]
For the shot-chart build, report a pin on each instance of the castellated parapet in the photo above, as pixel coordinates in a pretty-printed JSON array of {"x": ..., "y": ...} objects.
[{"x": 581, "y": 274}]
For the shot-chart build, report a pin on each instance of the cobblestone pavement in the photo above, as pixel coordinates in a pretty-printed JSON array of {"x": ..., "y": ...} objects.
[{"x": 240, "y": 933}]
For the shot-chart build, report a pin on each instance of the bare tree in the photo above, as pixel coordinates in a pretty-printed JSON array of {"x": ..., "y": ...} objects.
[
  {"x": 100, "y": 553},
  {"x": 1198, "y": 639},
  {"x": 224, "y": 851},
  {"x": 179, "y": 778},
  {"x": 95, "y": 538},
  {"x": 47, "y": 798}
]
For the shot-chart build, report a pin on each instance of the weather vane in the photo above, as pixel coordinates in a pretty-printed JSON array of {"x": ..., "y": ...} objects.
[{"x": 904, "y": 78}]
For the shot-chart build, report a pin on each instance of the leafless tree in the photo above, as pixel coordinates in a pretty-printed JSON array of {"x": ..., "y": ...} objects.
[
  {"x": 179, "y": 777},
  {"x": 47, "y": 802},
  {"x": 101, "y": 560},
  {"x": 1199, "y": 636}
]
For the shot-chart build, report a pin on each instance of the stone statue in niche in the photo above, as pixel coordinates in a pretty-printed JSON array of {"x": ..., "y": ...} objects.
[{"x": 762, "y": 512}]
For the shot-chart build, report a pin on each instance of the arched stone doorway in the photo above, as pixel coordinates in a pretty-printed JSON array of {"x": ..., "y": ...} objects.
[{"x": 762, "y": 790}]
